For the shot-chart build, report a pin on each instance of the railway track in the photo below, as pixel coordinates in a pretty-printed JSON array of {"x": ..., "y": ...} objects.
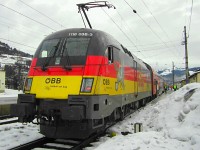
[
  {"x": 58, "y": 144},
  {"x": 7, "y": 119}
]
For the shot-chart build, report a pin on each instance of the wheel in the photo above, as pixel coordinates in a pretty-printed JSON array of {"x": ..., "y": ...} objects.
[
  {"x": 137, "y": 105},
  {"x": 143, "y": 101}
]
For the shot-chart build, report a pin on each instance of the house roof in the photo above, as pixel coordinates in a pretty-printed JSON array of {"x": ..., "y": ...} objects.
[{"x": 194, "y": 74}]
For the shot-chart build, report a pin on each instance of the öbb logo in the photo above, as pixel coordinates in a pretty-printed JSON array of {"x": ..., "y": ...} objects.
[{"x": 53, "y": 80}]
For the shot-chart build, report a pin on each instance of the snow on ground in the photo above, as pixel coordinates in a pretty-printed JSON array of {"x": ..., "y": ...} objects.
[
  {"x": 15, "y": 134},
  {"x": 173, "y": 123},
  {"x": 9, "y": 96},
  {"x": 10, "y": 93}
]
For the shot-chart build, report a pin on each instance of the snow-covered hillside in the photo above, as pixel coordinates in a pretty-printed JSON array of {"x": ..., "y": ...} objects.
[
  {"x": 177, "y": 71},
  {"x": 165, "y": 72},
  {"x": 172, "y": 123},
  {"x": 11, "y": 59}
]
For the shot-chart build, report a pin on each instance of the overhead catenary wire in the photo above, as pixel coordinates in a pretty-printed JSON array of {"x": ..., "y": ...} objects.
[
  {"x": 122, "y": 31},
  {"x": 17, "y": 43},
  {"x": 190, "y": 20},
  {"x": 127, "y": 25},
  {"x": 156, "y": 48},
  {"x": 155, "y": 44},
  {"x": 120, "y": 28},
  {"x": 42, "y": 14},
  {"x": 27, "y": 17},
  {"x": 25, "y": 28},
  {"x": 157, "y": 22},
  {"x": 149, "y": 57},
  {"x": 158, "y": 54},
  {"x": 147, "y": 25},
  {"x": 20, "y": 31},
  {"x": 155, "y": 19}
]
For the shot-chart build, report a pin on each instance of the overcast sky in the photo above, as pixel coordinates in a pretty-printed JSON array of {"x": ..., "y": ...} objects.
[{"x": 154, "y": 33}]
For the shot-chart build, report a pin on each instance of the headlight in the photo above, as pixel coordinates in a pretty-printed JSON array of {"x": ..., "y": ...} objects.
[
  {"x": 28, "y": 83},
  {"x": 87, "y": 85}
]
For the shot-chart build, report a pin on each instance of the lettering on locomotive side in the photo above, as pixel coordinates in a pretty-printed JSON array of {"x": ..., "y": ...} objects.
[
  {"x": 106, "y": 82},
  {"x": 53, "y": 80}
]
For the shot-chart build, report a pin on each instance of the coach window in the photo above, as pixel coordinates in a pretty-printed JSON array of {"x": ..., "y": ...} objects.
[
  {"x": 155, "y": 82},
  {"x": 110, "y": 55}
]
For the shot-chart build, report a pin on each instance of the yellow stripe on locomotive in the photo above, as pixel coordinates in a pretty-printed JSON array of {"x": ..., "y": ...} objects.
[{"x": 59, "y": 87}]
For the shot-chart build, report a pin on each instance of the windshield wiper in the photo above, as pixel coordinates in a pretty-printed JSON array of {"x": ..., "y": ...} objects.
[
  {"x": 67, "y": 65},
  {"x": 47, "y": 60}
]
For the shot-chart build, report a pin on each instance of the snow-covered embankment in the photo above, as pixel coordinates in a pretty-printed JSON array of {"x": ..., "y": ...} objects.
[{"x": 172, "y": 123}]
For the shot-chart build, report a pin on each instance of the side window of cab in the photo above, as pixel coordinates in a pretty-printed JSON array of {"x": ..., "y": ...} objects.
[{"x": 110, "y": 55}]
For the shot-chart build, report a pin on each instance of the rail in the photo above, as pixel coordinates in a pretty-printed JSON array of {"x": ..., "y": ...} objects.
[{"x": 7, "y": 119}]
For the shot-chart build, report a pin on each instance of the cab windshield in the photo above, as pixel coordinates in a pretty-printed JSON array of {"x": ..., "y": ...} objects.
[
  {"x": 76, "y": 46},
  {"x": 64, "y": 47},
  {"x": 63, "y": 51},
  {"x": 48, "y": 48}
]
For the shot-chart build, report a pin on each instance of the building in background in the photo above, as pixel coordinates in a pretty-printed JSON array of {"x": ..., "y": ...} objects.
[
  {"x": 195, "y": 77},
  {"x": 2, "y": 81}
]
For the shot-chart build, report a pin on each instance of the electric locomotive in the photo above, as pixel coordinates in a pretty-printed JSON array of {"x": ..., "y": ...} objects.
[{"x": 80, "y": 80}]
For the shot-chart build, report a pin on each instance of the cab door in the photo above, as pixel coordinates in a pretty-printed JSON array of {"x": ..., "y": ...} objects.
[{"x": 103, "y": 81}]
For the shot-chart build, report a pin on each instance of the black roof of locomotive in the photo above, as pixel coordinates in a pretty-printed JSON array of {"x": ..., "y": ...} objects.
[
  {"x": 98, "y": 43},
  {"x": 65, "y": 32}
]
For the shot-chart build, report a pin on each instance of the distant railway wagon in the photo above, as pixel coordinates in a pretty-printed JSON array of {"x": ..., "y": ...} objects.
[
  {"x": 158, "y": 84},
  {"x": 81, "y": 80}
]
